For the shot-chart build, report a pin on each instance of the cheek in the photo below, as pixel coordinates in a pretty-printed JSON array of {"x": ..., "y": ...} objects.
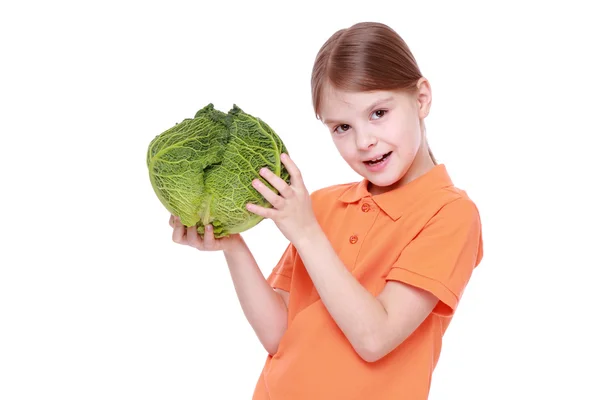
[
  {"x": 345, "y": 148},
  {"x": 406, "y": 138}
]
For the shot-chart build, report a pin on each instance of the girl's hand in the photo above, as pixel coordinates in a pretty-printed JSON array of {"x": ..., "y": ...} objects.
[
  {"x": 189, "y": 236},
  {"x": 292, "y": 209}
]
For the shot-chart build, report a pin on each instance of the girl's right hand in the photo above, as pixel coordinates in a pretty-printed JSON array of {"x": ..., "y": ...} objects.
[{"x": 189, "y": 236}]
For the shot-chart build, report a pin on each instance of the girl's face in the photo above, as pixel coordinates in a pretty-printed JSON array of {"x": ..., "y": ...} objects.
[{"x": 379, "y": 133}]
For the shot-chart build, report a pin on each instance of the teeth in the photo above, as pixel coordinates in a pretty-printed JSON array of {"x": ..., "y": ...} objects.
[{"x": 378, "y": 159}]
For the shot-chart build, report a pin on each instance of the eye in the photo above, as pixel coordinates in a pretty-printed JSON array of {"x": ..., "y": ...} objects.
[
  {"x": 379, "y": 113},
  {"x": 341, "y": 128}
]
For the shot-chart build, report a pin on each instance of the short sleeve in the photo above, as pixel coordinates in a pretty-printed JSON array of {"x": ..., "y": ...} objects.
[
  {"x": 441, "y": 258},
  {"x": 281, "y": 276}
]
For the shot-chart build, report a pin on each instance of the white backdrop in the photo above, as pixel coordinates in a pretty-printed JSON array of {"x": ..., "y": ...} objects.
[{"x": 97, "y": 302}]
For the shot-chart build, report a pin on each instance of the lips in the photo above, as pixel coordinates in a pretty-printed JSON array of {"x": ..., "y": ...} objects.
[{"x": 378, "y": 159}]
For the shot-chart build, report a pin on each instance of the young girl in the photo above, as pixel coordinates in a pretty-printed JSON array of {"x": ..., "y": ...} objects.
[{"x": 357, "y": 306}]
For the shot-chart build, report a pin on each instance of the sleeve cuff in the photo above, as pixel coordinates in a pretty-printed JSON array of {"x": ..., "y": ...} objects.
[
  {"x": 448, "y": 300},
  {"x": 279, "y": 281}
]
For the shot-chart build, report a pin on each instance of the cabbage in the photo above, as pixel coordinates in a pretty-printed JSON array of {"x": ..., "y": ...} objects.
[{"x": 202, "y": 168}]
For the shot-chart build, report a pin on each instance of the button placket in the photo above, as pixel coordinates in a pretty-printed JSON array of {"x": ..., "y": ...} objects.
[
  {"x": 364, "y": 215},
  {"x": 365, "y": 207}
]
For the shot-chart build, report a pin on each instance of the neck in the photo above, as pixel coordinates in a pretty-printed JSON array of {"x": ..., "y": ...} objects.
[{"x": 422, "y": 163}]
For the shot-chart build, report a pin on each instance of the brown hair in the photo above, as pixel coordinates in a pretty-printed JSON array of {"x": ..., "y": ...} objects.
[{"x": 367, "y": 56}]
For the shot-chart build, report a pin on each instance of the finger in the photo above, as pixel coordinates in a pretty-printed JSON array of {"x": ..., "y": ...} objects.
[
  {"x": 172, "y": 221},
  {"x": 262, "y": 211},
  {"x": 209, "y": 237},
  {"x": 193, "y": 239},
  {"x": 292, "y": 168},
  {"x": 178, "y": 231},
  {"x": 272, "y": 197},
  {"x": 279, "y": 184}
]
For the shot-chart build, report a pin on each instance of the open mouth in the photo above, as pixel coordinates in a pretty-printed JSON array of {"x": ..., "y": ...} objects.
[{"x": 378, "y": 160}]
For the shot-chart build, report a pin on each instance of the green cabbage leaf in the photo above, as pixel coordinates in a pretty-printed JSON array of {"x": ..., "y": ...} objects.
[{"x": 202, "y": 168}]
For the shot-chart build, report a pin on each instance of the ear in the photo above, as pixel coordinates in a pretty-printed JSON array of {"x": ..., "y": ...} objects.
[{"x": 423, "y": 97}]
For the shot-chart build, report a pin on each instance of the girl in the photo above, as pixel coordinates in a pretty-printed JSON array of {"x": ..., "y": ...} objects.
[{"x": 357, "y": 306}]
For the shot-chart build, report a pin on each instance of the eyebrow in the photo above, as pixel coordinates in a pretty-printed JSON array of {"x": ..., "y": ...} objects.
[{"x": 372, "y": 106}]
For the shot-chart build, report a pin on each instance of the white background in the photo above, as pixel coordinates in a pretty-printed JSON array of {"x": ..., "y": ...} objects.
[{"x": 97, "y": 302}]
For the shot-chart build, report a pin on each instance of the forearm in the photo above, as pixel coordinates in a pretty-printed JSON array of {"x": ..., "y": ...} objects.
[
  {"x": 359, "y": 314},
  {"x": 264, "y": 309}
]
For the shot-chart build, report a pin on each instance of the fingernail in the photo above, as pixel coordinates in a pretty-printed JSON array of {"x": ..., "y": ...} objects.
[
  {"x": 283, "y": 156},
  {"x": 208, "y": 227}
]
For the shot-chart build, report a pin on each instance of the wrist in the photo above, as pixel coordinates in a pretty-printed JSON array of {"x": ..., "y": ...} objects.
[
  {"x": 232, "y": 243},
  {"x": 308, "y": 236}
]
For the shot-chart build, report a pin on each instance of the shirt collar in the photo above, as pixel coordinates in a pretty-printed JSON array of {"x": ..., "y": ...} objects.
[{"x": 395, "y": 201}]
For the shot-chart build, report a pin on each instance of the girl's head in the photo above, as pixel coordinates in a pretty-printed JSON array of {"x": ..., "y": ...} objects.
[{"x": 368, "y": 90}]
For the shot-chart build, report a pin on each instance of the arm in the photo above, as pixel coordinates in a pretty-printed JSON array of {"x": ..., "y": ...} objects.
[
  {"x": 265, "y": 310},
  {"x": 373, "y": 325},
  {"x": 440, "y": 259},
  {"x": 447, "y": 250}
]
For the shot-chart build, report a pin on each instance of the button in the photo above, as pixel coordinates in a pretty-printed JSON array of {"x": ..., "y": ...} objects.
[
  {"x": 353, "y": 239},
  {"x": 365, "y": 207}
]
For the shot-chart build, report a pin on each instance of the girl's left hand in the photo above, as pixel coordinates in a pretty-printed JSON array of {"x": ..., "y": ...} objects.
[{"x": 292, "y": 209}]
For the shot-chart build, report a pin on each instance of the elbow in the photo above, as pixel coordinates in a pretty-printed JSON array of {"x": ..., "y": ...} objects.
[
  {"x": 271, "y": 342},
  {"x": 271, "y": 345},
  {"x": 370, "y": 356},
  {"x": 371, "y": 350},
  {"x": 271, "y": 348},
  {"x": 375, "y": 347}
]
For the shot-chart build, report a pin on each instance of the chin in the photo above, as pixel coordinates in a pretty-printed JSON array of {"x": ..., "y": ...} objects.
[
  {"x": 383, "y": 182},
  {"x": 385, "y": 179}
]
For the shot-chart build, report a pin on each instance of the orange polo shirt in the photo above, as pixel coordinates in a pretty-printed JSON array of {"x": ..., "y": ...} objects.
[{"x": 426, "y": 233}]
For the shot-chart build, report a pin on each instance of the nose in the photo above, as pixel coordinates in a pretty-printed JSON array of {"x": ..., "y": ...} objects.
[{"x": 364, "y": 140}]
